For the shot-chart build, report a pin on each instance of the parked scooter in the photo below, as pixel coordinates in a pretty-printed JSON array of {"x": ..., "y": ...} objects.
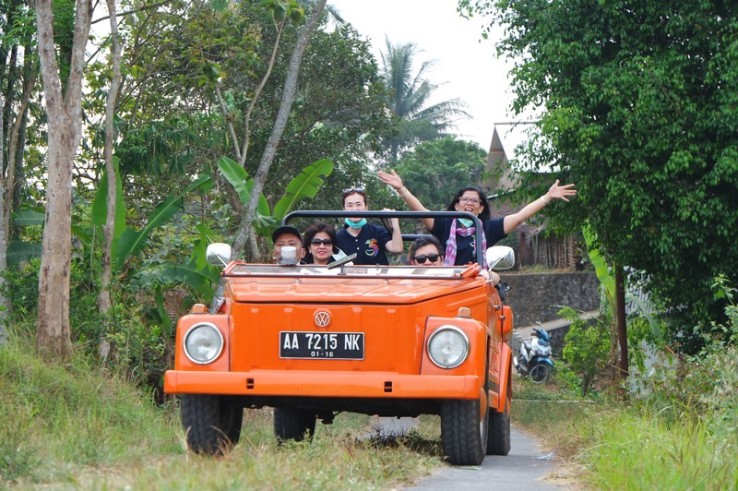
[{"x": 534, "y": 358}]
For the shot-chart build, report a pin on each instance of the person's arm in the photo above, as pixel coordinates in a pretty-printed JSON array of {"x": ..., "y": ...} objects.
[
  {"x": 411, "y": 201},
  {"x": 513, "y": 220},
  {"x": 395, "y": 245}
]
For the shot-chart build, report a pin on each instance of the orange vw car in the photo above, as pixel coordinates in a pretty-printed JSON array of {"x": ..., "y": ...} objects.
[{"x": 311, "y": 341}]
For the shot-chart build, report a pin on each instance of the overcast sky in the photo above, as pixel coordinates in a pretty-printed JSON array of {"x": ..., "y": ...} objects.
[{"x": 465, "y": 63}]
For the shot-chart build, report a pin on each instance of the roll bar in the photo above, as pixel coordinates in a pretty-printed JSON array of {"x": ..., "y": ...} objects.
[{"x": 395, "y": 214}]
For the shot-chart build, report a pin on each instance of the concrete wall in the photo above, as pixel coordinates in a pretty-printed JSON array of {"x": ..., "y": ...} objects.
[{"x": 537, "y": 297}]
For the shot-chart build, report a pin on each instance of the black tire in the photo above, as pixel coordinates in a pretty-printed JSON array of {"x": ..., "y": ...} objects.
[
  {"x": 498, "y": 439},
  {"x": 293, "y": 424},
  {"x": 540, "y": 373},
  {"x": 463, "y": 433},
  {"x": 212, "y": 423}
]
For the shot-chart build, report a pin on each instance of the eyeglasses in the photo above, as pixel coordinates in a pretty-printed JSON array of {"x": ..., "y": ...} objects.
[
  {"x": 325, "y": 242},
  {"x": 471, "y": 201},
  {"x": 357, "y": 189},
  {"x": 433, "y": 258}
]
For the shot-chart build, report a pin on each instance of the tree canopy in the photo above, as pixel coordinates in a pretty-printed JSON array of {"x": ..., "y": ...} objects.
[{"x": 639, "y": 101}]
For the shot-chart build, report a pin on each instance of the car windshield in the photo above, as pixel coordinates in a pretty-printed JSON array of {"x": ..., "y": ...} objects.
[{"x": 243, "y": 269}]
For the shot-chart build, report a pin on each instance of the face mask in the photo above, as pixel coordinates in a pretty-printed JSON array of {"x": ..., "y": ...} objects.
[
  {"x": 466, "y": 222},
  {"x": 354, "y": 224}
]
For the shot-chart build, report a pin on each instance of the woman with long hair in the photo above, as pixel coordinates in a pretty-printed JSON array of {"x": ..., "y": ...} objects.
[{"x": 457, "y": 234}]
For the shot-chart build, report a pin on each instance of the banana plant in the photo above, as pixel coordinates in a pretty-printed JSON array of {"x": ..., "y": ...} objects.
[{"x": 305, "y": 185}]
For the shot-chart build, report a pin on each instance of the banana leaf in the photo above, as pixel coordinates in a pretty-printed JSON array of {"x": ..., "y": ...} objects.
[
  {"x": 305, "y": 185},
  {"x": 132, "y": 241},
  {"x": 22, "y": 251},
  {"x": 239, "y": 179},
  {"x": 602, "y": 270}
]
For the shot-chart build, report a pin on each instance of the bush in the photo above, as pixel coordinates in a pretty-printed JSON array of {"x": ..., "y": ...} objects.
[{"x": 587, "y": 345}]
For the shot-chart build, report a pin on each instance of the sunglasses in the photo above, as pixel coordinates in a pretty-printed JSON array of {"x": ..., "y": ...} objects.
[
  {"x": 358, "y": 189},
  {"x": 325, "y": 242},
  {"x": 433, "y": 258}
]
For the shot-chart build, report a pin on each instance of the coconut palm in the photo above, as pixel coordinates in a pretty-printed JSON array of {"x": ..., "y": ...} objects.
[{"x": 410, "y": 93}]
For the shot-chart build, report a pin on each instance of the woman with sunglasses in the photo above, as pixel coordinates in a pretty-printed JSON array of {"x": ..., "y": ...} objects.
[
  {"x": 457, "y": 234},
  {"x": 370, "y": 242},
  {"x": 320, "y": 244}
]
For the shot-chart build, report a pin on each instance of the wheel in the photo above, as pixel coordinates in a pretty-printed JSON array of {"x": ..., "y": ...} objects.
[
  {"x": 498, "y": 439},
  {"x": 293, "y": 424},
  {"x": 540, "y": 373},
  {"x": 212, "y": 423},
  {"x": 464, "y": 430}
]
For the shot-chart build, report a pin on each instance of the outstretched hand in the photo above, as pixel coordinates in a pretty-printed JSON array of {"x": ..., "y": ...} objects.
[
  {"x": 390, "y": 178},
  {"x": 561, "y": 192}
]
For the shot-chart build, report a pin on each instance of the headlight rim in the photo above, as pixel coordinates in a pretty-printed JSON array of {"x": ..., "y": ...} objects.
[
  {"x": 456, "y": 329},
  {"x": 220, "y": 339}
]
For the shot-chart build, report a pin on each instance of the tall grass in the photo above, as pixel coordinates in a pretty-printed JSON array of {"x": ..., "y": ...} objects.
[
  {"x": 632, "y": 446},
  {"x": 69, "y": 427}
]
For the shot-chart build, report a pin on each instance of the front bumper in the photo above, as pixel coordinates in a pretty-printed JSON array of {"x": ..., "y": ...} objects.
[{"x": 306, "y": 383}]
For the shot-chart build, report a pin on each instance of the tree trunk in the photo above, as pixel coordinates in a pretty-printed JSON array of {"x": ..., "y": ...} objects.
[
  {"x": 53, "y": 336},
  {"x": 4, "y": 301},
  {"x": 622, "y": 327},
  {"x": 104, "y": 300},
  {"x": 8, "y": 178},
  {"x": 270, "y": 150}
]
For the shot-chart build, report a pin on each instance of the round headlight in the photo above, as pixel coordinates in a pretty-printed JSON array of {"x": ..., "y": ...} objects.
[
  {"x": 448, "y": 347},
  {"x": 203, "y": 343}
]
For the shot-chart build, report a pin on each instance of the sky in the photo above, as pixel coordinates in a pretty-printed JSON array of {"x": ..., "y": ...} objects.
[{"x": 465, "y": 65}]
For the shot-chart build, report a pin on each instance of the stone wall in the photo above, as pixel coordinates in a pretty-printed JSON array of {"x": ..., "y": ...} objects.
[{"x": 537, "y": 297}]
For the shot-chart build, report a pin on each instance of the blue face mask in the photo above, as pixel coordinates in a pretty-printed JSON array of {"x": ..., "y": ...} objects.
[
  {"x": 466, "y": 222},
  {"x": 354, "y": 224}
]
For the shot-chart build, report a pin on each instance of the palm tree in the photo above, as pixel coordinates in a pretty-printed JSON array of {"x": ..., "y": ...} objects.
[{"x": 410, "y": 93}]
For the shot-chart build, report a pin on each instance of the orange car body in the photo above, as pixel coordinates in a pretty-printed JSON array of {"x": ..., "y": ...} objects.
[{"x": 394, "y": 310}]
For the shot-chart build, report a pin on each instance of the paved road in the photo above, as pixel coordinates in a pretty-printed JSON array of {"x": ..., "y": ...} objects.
[{"x": 522, "y": 470}]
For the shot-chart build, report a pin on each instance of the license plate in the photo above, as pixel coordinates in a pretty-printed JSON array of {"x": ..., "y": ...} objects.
[{"x": 322, "y": 345}]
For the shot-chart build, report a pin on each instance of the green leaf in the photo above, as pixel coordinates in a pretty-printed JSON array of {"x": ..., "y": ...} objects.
[
  {"x": 200, "y": 280},
  {"x": 22, "y": 251},
  {"x": 28, "y": 217},
  {"x": 131, "y": 241},
  {"x": 305, "y": 185},
  {"x": 239, "y": 179},
  {"x": 602, "y": 270}
]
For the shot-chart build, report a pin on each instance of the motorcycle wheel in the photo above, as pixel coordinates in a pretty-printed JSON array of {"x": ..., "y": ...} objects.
[{"x": 540, "y": 373}]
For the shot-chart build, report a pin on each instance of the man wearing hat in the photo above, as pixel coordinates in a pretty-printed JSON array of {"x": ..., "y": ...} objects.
[{"x": 287, "y": 236}]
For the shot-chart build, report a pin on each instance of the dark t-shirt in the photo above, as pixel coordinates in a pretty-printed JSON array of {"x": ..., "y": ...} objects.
[
  {"x": 494, "y": 231},
  {"x": 369, "y": 245}
]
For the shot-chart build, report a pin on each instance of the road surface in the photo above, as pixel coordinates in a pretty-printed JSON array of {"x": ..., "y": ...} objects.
[{"x": 522, "y": 470}]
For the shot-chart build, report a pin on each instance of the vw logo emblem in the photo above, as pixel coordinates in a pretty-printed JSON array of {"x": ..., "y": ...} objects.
[{"x": 322, "y": 318}]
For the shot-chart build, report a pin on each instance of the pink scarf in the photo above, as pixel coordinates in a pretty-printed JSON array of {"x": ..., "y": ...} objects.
[{"x": 450, "y": 258}]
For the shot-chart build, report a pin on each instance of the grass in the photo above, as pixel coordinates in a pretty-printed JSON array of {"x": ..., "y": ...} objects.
[
  {"x": 629, "y": 446},
  {"x": 68, "y": 427}
]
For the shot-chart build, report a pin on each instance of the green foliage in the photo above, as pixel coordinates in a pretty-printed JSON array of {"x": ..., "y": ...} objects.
[
  {"x": 434, "y": 167},
  {"x": 305, "y": 185},
  {"x": 702, "y": 386},
  {"x": 587, "y": 345},
  {"x": 637, "y": 114},
  {"x": 51, "y": 414}
]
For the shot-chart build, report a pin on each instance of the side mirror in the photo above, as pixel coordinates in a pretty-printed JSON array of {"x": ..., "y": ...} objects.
[
  {"x": 218, "y": 254},
  {"x": 500, "y": 257}
]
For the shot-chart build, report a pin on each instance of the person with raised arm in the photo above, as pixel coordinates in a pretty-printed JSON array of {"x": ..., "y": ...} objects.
[{"x": 457, "y": 234}]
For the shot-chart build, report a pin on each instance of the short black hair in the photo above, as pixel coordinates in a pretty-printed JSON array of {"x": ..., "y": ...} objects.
[{"x": 424, "y": 241}]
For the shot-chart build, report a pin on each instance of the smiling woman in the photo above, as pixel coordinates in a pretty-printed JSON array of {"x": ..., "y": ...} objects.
[
  {"x": 320, "y": 244},
  {"x": 457, "y": 234}
]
